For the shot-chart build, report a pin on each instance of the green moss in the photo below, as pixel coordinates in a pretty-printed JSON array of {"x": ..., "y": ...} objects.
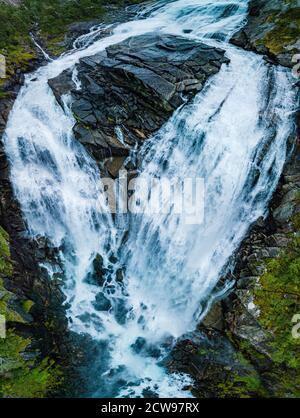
[
  {"x": 20, "y": 377},
  {"x": 240, "y": 380},
  {"x": 285, "y": 32},
  {"x": 3, "y": 94},
  {"x": 24, "y": 379},
  {"x": 6, "y": 307},
  {"x": 243, "y": 382},
  {"x": 278, "y": 299},
  {"x": 52, "y": 19},
  {"x": 27, "y": 305},
  {"x": 296, "y": 217},
  {"x": 237, "y": 386}
]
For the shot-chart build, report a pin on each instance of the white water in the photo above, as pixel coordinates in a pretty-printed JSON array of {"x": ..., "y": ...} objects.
[{"x": 171, "y": 268}]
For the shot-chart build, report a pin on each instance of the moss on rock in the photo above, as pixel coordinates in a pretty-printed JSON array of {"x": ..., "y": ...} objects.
[
  {"x": 278, "y": 299},
  {"x": 273, "y": 29},
  {"x": 22, "y": 374}
]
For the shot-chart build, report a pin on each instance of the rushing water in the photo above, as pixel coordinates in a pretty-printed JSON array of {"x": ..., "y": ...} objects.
[{"x": 233, "y": 135}]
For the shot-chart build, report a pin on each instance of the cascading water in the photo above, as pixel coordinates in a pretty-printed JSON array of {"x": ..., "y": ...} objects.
[{"x": 233, "y": 135}]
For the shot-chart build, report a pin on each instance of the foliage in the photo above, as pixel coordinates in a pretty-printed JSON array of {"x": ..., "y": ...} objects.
[
  {"x": 21, "y": 374},
  {"x": 240, "y": 386},
  {"x": 5, "y": 263}
]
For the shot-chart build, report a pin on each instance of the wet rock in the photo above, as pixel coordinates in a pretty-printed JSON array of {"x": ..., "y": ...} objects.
[
  {"x": 119, "y": 276},
  {"x": 114, "y": 165},
  {"x": 139, "y": 345},
  {"x": 289, "y": 207},
  {"x": 98, "y": 273},
  {"x": 98, "y": 265},
  {"x": 102, "y": 303},
  {"x": 214, "y": 319},
  {"x": 247, "y": 282},
  {"x": 62, "y": 85},
  {"x": 130, "y": 89}
]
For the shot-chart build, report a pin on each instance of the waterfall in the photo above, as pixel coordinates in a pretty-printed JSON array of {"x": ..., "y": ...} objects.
[{"x": 233, "y": 135}]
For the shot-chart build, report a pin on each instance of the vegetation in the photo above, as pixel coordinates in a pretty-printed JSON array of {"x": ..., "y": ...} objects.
[
  {"x": 238, "y": 386},
  {"x": 278, "y": 299},
  {"x": 285, "y": 30},
  {"x": 20, "y": 378},
  {"x": 21, "y": 373}
]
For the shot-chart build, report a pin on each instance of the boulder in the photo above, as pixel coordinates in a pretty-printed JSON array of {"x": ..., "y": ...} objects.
[
  {"x": 102, "y": 303},
  {"x": 129, "y": 90}
]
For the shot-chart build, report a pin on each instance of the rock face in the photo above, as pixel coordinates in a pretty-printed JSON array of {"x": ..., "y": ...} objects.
[
  {"x": 272, "y": 29},
  {"x": 34, "y": 302},
  {"x": 249, "y": 327},
  {"x": 39, "y": 344},
  {"x": 128, "y": 91},
  {"x": 254, "y": 321},
  {"x": 216, "y": 366},
  {"x": 257, "y": 296}
]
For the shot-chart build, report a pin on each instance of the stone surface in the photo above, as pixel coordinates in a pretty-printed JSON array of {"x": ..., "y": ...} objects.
[
  {"x": 272, "y": 29},
  {"x": 132, "y": 88},
  {"x": 266, "y": 239}
]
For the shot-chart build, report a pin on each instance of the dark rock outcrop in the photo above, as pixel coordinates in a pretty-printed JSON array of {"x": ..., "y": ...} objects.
[
  {"x": 211, "y": 359},
  {"x": 273, "y": 29},
  {"x": 46, "y": 323},
  {"x": 129, "y": 90}
]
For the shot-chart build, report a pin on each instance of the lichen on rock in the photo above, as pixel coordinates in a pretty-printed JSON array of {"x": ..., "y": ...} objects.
[{"x": 273, "y": 29}]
